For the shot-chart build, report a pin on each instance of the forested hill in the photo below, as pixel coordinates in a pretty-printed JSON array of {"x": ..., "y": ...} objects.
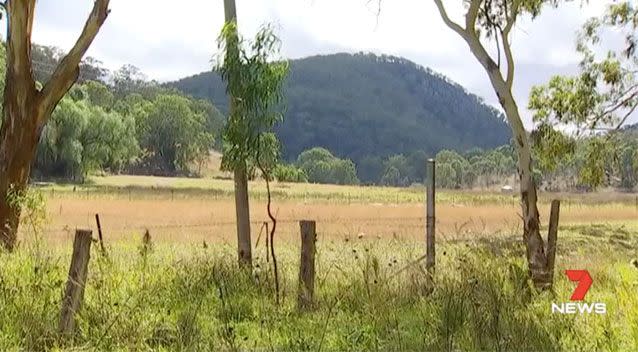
[{"x": 359, "y": 105}]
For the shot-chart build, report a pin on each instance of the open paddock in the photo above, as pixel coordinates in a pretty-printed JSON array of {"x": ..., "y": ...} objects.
[{"x": 197, "y": 210}]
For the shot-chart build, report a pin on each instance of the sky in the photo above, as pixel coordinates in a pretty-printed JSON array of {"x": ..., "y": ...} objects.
[{"x": 169, "y": 40}]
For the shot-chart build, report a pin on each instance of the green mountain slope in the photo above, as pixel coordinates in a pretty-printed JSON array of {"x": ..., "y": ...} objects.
[{"x": 359, "y": 105}]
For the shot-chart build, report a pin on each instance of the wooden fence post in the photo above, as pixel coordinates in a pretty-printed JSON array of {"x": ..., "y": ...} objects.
[
  {"x": 552, "y": 236},
  {"x": 307, "y": 264},
  {"x": 99, "y": 233},
  {"x": 74, "y": 293},
  {"x": 430, "y": 216}
]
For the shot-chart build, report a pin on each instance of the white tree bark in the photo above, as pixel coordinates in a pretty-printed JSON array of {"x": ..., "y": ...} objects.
[{"x": 535, "y": 247}]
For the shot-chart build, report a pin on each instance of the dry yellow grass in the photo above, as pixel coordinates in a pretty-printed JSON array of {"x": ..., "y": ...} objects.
[
  {"x": 195, "y": 210},
  {"x": 199, "y": 219}
]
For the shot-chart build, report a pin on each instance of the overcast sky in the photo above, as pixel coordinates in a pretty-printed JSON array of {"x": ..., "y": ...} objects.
[{"x": 172, "y": 39}]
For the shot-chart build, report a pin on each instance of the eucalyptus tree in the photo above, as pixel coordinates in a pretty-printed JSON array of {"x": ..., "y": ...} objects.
[
  {"x": 254, "y": 81},
  {"x": 493, "y": 20},
  {"x": 599, "y": 101},
  {"x": 27, "y": 107}
]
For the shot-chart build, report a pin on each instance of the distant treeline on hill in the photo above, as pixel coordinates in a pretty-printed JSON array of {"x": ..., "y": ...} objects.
[
  {"x": 362, "y": 106},
  {"x": 119, "y": 122}
]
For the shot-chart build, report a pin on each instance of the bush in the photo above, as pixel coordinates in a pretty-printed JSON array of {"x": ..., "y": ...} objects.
[
  {"x": 323, "y": 167},
  {"x": 289, "y": 173}
]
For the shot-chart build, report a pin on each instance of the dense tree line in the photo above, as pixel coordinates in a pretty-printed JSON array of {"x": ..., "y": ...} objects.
[
  {"x": 616, "y": 166},
  {"x": 120, "y": 122},
  {"x": 82, "y": 137},
  {"x": 159, "y": 132},
  {"x": 474, "y": 168},
  {"x": 364, "y": 105},
  {"x": 603, "y": 160}
]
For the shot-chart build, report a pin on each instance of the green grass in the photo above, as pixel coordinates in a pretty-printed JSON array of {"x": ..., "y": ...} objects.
[
  {"x": 136, "y": 187},
  {"x": 370, "y": 296},
  {"x": 187, "y": 297}
]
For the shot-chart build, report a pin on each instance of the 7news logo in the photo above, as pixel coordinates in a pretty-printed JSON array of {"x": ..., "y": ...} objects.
[{"x": 577, "y": 306}]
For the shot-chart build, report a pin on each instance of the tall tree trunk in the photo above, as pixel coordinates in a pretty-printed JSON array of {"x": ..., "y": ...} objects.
[
  {"x": 26, "y": 109},
  {"x": 536, "y": 253},
  {"x": 534, "y": 244},
  {"x": 19, "y": 122},
  {"x": 242, "y": 209},
  {"x": 17, "y": 149}
]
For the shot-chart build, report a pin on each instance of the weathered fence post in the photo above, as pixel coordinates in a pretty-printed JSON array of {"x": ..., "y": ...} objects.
[
  {"x": 99, "y": 233},
  {"x": 430, "y": 216},
  {"x": 552, "y": 236},
  {"x": 74, "y": 293},
  {"x": 307, "y": 264}
]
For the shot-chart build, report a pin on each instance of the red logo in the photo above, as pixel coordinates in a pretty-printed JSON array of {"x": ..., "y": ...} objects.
[{"x": 584, "y": 283}]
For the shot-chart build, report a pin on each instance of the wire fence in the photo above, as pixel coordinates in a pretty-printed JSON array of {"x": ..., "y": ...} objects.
[
  {"x": 390, "y": 196},
  {"x": 410, "y": 230},
  {"x": 398, "y": 222}
]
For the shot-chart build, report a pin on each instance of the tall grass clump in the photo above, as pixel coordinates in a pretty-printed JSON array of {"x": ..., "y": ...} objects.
[{"x": 370, "y": 296}]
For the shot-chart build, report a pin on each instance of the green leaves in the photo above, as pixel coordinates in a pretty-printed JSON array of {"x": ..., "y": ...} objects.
[
  {"x": 289, "y": 173},
  {"x": 172, "y": 134},
  {"x": 606, "y": 91},
  {"x": 600, "y": 98},
  {"x": 566, "y": 101},
  {"x": 254, "y": 84},
  {"x": 80, "y": 138},
  {"x": 322, "y": 167},
  {"x": 595, "y": 163},
  {"x": 268, "y": 153},
  {"x": 91, "y": 130},
  {"x": 551, "y": 147}
]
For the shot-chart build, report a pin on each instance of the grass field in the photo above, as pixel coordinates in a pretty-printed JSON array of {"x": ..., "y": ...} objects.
[
  {"x": 194, "y": 210},
  {"x": 185, "y": 291}
]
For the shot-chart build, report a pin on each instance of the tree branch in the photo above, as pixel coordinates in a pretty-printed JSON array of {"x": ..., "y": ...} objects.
[
  {"x": 497, "y": 30},
  {"x": 453, "y": 25},
  {"x": 271, "y": 235},
  {"x": 613, "y": 109},
  {"x": 619, "y": 104},
  {"x": 507, "y": 49},
  {"x": 511, "y": 19},
  {"x": 472, "y": 40},
  {"x": 624, "y": 119},
  {"x": 378, "y": 11},
  {"x": 498, "y": 49},
  {"x": 471, "y": 15},
  {"x": 68, "y": 70}
]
